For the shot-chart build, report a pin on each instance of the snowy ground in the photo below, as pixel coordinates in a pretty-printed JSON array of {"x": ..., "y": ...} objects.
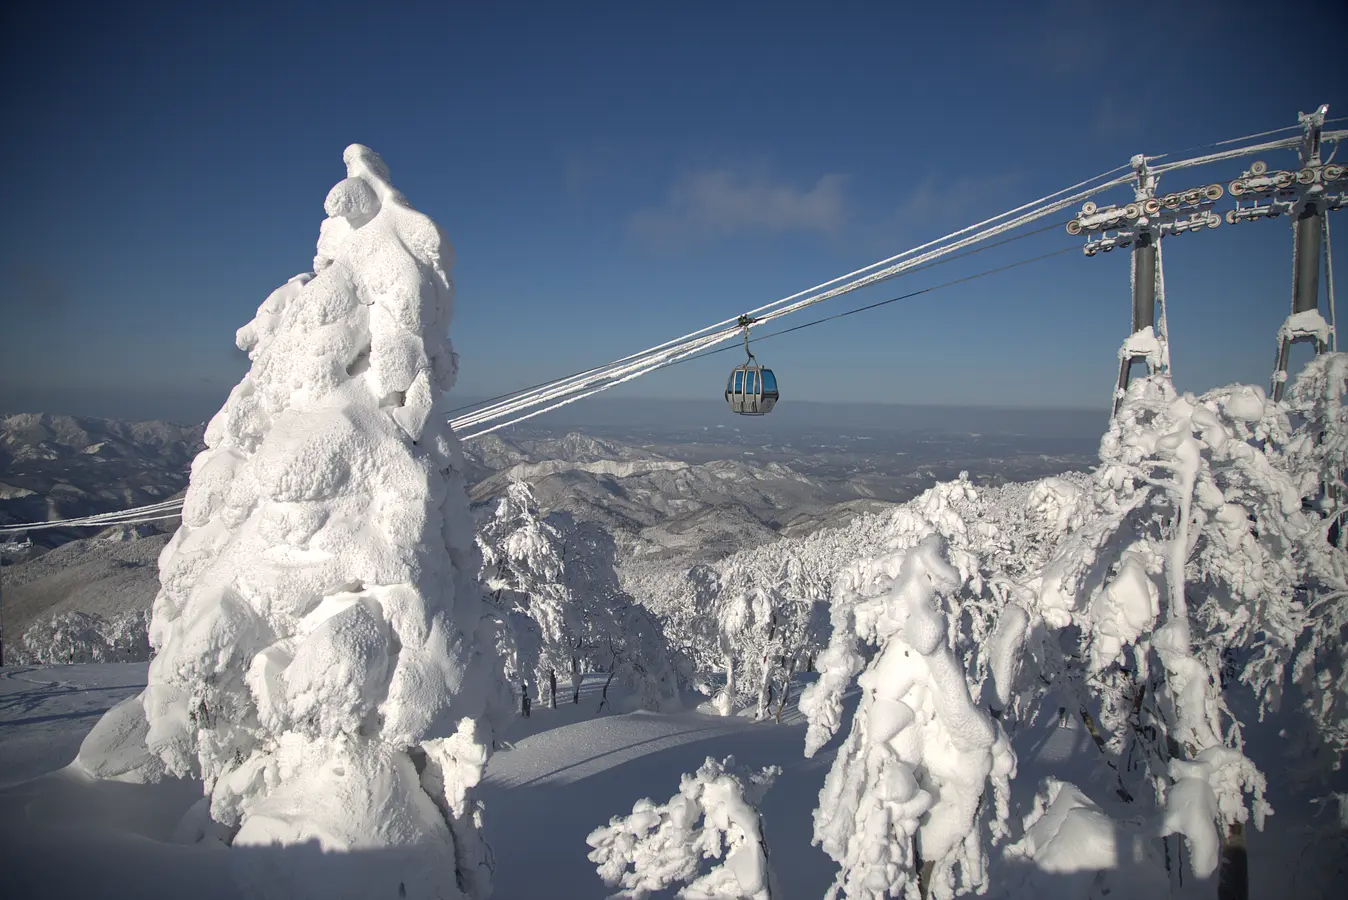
[
  {"x": 45, "y": 713},
  {"x": 564, "y": 773}
]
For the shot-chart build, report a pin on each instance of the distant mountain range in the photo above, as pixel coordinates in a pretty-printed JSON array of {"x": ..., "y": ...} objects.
[
  {"x": 672, "y": 499},
  {"x": 666, "y": 508},
  {"x": 57, "y": 467}
]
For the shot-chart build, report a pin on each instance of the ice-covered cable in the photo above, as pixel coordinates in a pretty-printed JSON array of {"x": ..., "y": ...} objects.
[
  {"x": 598, "y": 373},
  {"x": 171, "y": 512},
  {"x": 581, "y": 382},
  {"x": 1282, "y": 144},
  {"x": 118, "y": 517},
  {"x": 698, "y": 353},
  {"x": 709, "y": 341}
]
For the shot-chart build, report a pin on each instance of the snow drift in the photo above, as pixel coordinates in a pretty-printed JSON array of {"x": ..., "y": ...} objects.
[{"x": 318, "y": 658}]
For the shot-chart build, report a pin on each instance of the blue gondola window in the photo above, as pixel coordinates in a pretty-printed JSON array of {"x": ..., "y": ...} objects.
[
  {"x": 739, "y": 383},
  {"x": 749, "y": 383},
  {"x": 769, "y": 382}
]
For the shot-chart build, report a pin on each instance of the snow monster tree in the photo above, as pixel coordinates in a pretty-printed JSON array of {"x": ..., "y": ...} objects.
[{"x": 322, "y": 656}]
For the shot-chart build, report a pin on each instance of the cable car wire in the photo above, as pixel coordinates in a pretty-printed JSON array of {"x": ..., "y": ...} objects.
[
  {"x": 941, "y": 261},
  {"x": 870, "y": 306}
]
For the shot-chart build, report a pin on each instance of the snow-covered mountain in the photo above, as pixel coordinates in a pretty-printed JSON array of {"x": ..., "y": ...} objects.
[
  {"x": 660, "y": 507},
  {"x": 54, "y": 466},
  {"x": 669, "y": 502},
  {"x": 103, "y": 575}
]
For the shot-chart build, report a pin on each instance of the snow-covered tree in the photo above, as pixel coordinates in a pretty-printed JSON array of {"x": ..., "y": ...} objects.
[
  {"x": 78, "y": 637},
  {"x": 904, "y": 805},
  {"x": 1317, "y": 452},
  {"x": 682, "y": 601},
  {"x": 1201, "y": 541},
  {"x": 525, "y": 576},
  {"x": 323, "y": 662},
  {"x": 565, "y": 612},
  {"x": 766, "y": 637},
  {"x": 714, "y": 816}
]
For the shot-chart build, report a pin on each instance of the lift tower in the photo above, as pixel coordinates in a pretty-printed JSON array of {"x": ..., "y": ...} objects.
[
  {"x": 1141, "y": 225},
  {"x": 1305, "y": 196}
]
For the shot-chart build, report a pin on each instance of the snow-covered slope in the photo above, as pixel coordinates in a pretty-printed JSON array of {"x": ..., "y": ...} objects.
[
  {"x": 94, "y": 575},
  {"x": 564, "y": 773}
]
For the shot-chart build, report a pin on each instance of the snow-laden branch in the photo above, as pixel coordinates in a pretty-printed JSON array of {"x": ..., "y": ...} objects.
[{"x": 714, "y": 816}]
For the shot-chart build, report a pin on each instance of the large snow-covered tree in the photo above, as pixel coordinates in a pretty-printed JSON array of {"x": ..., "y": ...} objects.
[
  {"x": 766, "y": 637},
  {"x": 1195, "y": 563},
  {"x": 323, "y": 661},
  {"x": 923, "y": 770}
]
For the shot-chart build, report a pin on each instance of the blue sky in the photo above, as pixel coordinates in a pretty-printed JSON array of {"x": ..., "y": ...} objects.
[{"x": 615, "y": 174}]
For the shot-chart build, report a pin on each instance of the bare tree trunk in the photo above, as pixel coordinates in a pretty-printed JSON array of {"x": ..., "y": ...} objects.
[
  {"x": 786, "y": 692},
  {"x": 1089, "y": 721},
  {"x": 767, "y": 859},
  {"x": 1233, "y": 877},
  {"x": 603, "y": 697},
  {"x": 924, "y": 870},
  {"x": 729, "y": 693},
  {"x": 764, "y": 687},
  {"x": 575, "y": 679},
  {"x": 552, "y": 687}
]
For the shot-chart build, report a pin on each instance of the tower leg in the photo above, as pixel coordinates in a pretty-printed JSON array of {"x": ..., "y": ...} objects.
[
  {"x": 1144, "y": 283},
  {"x": 1144, "y": 302},
  {"x": 1305, "y": 286}
]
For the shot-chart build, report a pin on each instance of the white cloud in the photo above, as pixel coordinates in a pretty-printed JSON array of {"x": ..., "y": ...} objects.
[
  {"x": 723, "y": 202},
  {"x": 1116, "y": 119},
  {"x": 935, "y": 205}
]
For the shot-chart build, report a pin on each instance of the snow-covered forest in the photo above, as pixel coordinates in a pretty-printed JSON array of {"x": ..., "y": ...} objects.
[{"x": 1094, "y": 684}]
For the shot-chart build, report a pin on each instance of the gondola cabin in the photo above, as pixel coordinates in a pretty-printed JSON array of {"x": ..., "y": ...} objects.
[{"x": 751, "y": 390}]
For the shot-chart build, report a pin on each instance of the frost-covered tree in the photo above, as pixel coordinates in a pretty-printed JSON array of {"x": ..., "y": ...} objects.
[
  {"x": 1206, "y": 544},
  {"x": 525, "y": 576},
  {"x": 766, "y": 637},
  {"x": 682, "y": 601},
  {"x": 1317, "y": 454},
  {"x": 1198, "y": 553},
  {"x": 923, "y": 768},
  {"x": 554, "y": 580},
  {"x": 323, "y": 662},
  {"x": 714, "y": 816},
  {"x": 78, "y": 637}
]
